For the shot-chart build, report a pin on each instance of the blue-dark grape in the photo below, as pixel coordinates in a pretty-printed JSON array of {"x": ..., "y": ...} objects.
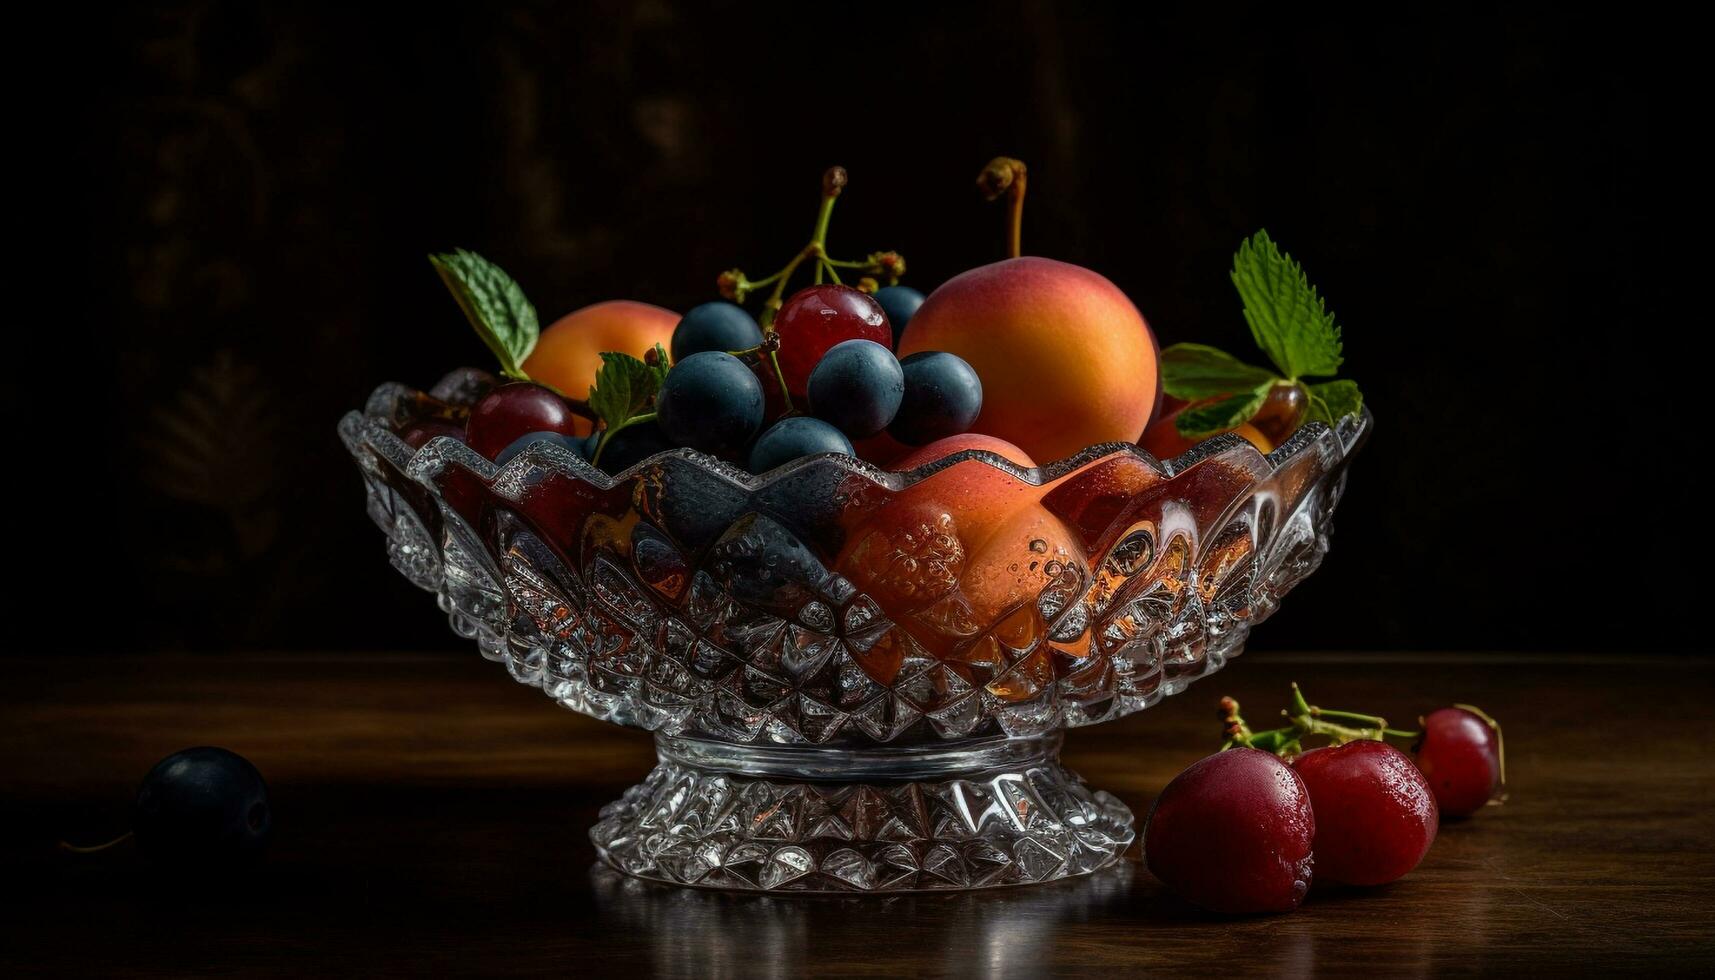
[
  {"x": 718, "y": 326},
  {"x": 900, "y": 303},
  {"x": 710, "y": 402},
  {"x": 856, "y": 387},
  {"x": 791, "y": 438},
  {"x": 633, "y": 444},
  {"x": 943, "y": 397},
  {"x": 200, "y": 807},
  {"x": 516, "y": 446}
]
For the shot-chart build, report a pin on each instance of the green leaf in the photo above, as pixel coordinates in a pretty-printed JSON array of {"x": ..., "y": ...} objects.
[
  {"x": 624, "y": 387},
  {"x": 1223, "y": 414},
  {"x": 1334, "y": 400},
  {"x": 1287, "y": 318},
  {"x": 1196, "y": 371},
  {"x": 494, "y": 304}
]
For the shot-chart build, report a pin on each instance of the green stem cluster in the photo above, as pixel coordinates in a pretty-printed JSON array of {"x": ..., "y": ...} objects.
[
  {"x": 1303, "y": 719},
  {"x": 734, "y": 285}
]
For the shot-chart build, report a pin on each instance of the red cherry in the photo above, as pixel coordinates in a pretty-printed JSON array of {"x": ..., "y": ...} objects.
[
  {"x": 1375, "y": 815},
  {"x": 512, "y": 410},
  {"x": 1460, "y": 755},
  {"x": 818, "y": 317},
  {"x": 1233, "y": 834},
  {"x": 417, "y": 434}
]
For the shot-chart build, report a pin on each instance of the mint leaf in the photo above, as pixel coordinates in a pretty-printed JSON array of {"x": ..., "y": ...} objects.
[
  {"x": 1334, "y": 400},
  {"x": 1287, "y": 318},
  {"x": 494, "y": 304},
  {"x": 624, "y": 387},
  {"x": 1219, "y": 416},
  {"x": 1195, "y": 371}
]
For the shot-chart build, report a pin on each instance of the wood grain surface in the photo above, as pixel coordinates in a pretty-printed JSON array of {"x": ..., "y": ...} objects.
[{"x": 431, "y": 818}]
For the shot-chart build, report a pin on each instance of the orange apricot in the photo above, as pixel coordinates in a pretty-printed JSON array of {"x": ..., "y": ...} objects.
[
  {"x": 1065, "y": 359},
  {"x": 1254, "y": 436},
  {"x": 568, "y": 354}
]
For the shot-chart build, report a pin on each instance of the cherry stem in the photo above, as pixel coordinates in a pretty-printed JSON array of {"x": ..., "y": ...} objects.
[
  {"x": 96, "y": 848},
  {"x": 1303, "y": 719},
  {"x": 1500, "y": 741},
  {"x": 1008, "y": 176},
  {"x": 580, "y": 406},
  {"x": 608, "y": 433}
]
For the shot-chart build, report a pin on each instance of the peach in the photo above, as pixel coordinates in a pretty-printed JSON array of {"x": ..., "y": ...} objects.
[
  {"x": 568, "y": 355},
  {"x": 953, "y": 444},
  {"x": 963, "y": 519},
  {"x": 880, "y": 449},
  {"x": 1163, "y": 441},
  {"x": 1065, "y": 358}
]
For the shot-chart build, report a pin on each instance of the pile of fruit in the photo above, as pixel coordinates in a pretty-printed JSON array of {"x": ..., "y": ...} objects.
[
  {"x": 1247, "y": 829},
  {"x": 1030, "y": 358}
]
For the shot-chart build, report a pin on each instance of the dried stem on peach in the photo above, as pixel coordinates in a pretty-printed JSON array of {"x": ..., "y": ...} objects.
[{"x": 1008, "y": 176}]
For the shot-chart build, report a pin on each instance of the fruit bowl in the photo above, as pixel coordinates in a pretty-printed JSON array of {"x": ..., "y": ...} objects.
[{"x": 857, "y": 679}]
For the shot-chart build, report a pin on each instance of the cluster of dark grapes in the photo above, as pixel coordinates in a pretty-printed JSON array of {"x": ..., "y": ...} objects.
[{"x": 723, "y": 395}]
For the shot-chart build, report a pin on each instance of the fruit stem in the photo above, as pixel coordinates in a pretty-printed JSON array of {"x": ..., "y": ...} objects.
[
  {"x": 1500, "y": 741},
  {"x": 777, "y": 296},
  {"x": 609, "y": 432},
  {"x": 1303, "y": 718},
  {"x": 1371, "y": 720},
  {"x": 833, "y": 181},
  {"x": 115, "y": 842},
  {"x": 581, "y": 406},
  {"x": 1007, "y": 175}
]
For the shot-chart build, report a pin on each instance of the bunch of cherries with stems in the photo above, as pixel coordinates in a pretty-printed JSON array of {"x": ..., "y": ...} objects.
[{"x": 1247, "y": 829}]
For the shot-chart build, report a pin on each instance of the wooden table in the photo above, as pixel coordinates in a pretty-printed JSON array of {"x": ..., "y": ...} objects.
[{"x": 431, "y": 817}]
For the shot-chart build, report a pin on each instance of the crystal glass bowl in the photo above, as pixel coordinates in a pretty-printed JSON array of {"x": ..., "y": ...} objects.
[{"x": 857, "y": 679}]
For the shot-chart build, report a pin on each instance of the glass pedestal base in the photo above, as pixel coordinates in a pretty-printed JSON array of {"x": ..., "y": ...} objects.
[{"x": 921, "y": 818}]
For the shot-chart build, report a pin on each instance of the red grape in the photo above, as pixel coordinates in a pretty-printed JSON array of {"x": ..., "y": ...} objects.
[
  {"x": 816, "y": 318},
  {"x": 1375, "y": 815},
  {"x": 512, "y": 410},
  {"x": 1460, "y": 755},
  {"x": 1233, "y": 834}
]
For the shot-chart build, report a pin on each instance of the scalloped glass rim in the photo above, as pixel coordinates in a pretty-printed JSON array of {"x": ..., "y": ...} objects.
[
  {"x": 1175, "y": 627},
  {"x": 441, "y": 451}
]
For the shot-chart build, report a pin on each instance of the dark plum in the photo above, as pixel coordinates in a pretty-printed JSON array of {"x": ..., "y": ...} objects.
[
  {"x": 1375, "y": 815},
  {"x": 899, "y": 303},
  {"x": 512, "y": 410},
  {"x": 716, "y": 326},
  {"x": 710, "y": 402},
  {"x": 791, "y": 438},
  {"x": 943, "y": 397},
  {"x": 572, "y": 444},
  {"x": 633, "y": 444},
  {"x": 202, "y": 807},
  {"x": 857, "y": 387},
  {"x": 1460, "y": 754},
  {"x": 1233, "y": 834}
]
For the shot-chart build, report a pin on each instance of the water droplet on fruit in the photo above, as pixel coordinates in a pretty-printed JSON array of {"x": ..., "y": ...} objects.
[{"x": 1038, "y": 545}]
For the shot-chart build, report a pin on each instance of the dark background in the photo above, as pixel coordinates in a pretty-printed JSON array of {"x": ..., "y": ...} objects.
[{"x": 253, "y": 188}]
